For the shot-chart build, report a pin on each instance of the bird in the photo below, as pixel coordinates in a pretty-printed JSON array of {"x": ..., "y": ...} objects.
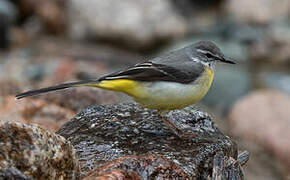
[{"x": 171, "y": 81}]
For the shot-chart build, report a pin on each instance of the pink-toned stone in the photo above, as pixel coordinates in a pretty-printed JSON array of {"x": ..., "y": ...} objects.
[
  {"x": 65, "y": 70},
  {"x": 264, "y": 117},
  {"x": 34, "y": 111}
]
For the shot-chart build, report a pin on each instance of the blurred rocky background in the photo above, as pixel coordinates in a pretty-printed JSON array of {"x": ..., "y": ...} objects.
[{"x": 45, "y": 42}]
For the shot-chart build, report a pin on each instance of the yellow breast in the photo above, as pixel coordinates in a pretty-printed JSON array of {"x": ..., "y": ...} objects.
[{"x": 202, "y": 84}]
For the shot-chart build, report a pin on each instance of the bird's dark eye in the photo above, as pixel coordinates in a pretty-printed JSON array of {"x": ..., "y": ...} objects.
[{"x": 209, "y": 55}]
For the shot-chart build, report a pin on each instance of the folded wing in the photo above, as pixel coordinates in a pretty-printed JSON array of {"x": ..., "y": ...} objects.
[{"x": 150, "y": 71}]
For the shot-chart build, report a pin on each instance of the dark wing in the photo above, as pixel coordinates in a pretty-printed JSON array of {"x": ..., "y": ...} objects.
[
  {"x": 176, "y": 66},
  {"x": 154, "y": 71}
]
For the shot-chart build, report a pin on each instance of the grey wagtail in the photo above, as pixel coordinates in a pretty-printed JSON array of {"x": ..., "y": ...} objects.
[{"x": 172, "y": 81}]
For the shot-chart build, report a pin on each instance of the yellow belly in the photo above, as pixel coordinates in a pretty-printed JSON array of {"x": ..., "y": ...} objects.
[
  {"x": 169, "y": 95},
  {"x": 162, "y": 95}
]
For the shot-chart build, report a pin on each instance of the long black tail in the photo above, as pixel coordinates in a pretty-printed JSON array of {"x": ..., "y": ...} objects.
[{"x": 55, "y": 88}]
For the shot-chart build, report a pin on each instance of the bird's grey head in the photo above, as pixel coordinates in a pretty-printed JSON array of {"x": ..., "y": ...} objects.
[{"x": 208, "y": 53}]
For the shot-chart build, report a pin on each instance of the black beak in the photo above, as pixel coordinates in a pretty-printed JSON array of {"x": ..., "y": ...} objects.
[{"x": 227, "y": 60}]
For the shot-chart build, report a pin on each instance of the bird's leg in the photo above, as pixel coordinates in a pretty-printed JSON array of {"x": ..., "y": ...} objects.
[{"x": 177, "y": 131}]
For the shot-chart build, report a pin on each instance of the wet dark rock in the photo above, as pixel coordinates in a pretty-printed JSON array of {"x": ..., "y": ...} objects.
[
  {"x": 141, "y": 167},
  {"x": 225, "y": 167},
  {"x": 114, "y": 175},
  {"x": 137, "y": 24},
  {"x": 30, "y": 152},
  {"x": 104, "y": 133},
  {"x": 12, "y": 173},
  {"x": 243, "y": 157}
]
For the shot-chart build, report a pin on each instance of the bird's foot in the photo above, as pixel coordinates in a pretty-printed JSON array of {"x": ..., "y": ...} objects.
[{"x": 175, "y": 129}]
